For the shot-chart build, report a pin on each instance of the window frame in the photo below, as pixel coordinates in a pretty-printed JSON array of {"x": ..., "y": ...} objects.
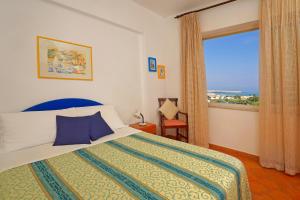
[{"x": 231, "y": 30}]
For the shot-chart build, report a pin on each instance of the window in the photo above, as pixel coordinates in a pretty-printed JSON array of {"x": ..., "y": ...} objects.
[{"x": 232, "y": 64}]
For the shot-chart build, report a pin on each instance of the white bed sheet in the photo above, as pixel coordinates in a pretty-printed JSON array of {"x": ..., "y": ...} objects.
[{"x": 17, "y": 158}]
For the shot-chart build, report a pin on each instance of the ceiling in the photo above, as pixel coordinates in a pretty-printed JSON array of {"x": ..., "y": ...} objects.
[{"x": 166, "y": 8}]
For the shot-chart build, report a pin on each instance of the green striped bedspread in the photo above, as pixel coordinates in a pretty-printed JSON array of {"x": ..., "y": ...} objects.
[{"x": 139, "y": 166}]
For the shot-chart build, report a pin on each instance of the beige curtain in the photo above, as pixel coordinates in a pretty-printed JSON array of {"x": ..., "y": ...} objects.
[
  {"x": 280, "y": 85},
  {"x": 193, "y": 80}
]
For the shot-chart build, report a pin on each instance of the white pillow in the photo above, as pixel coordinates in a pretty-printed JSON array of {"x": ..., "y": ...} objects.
[
  {"x": 26, "y": 129},
  {"x": 108, "y": 113}
]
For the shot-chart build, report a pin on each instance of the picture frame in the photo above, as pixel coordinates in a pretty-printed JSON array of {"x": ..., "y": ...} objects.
[
  {"x": 58, "y": 59},
  {"x": 152, "y": 65},
  {"x": 161, "y": 71}
]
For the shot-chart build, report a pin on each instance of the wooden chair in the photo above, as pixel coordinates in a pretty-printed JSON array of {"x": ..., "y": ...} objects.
[{"x": 176, "y": 123}]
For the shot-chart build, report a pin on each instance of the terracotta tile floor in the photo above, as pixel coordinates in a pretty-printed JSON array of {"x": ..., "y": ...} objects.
[{"x": 268, "y": 183}]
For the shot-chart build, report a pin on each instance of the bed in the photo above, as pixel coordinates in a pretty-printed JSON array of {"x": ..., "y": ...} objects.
[{"x": 128, "y": 164}]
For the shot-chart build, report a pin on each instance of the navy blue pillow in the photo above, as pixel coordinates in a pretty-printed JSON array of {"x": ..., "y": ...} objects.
[
  {"x": 80, "y": 130},
  {"x": 99, "y": 128},
  {"x": 72, "y": 130}
]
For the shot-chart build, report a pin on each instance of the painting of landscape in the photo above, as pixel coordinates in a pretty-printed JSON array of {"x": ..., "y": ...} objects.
[{"x": 64, "y": 60}]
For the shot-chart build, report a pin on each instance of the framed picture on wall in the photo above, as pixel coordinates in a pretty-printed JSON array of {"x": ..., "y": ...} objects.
[
  {"x": 161, "y": 71},
  {"x": 152, "y": 64},
  {"x": 57, "y": 59}
]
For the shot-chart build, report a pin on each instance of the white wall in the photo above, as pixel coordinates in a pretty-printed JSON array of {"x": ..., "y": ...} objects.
[
  {"x": 121, "y": 33},
  {"x": 229, "y": 128},
  {"x": 234, "y": 13},
  {"x": 151, "y": 27},
  {"x": 234, "y": 129}
]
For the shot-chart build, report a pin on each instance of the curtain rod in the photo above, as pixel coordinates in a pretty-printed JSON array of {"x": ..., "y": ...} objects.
[{"x": 206, "y": 8}]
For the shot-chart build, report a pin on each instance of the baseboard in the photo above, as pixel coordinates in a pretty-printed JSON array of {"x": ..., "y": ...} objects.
[{"x": 232, "y": 152}]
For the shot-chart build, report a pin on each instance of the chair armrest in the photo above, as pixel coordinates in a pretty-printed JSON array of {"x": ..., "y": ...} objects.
[
  {"x": 161, "y": 115},
  {"x": 184, "y": 114},
  {"x": 161, "y": 118}
]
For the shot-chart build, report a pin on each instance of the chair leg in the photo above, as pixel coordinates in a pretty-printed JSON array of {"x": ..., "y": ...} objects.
[
  {"x": 163, "y": 131},
  {"x": 177, "y": 134}
]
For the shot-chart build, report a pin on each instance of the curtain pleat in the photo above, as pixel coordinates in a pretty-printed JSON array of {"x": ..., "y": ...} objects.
[
  {"x": 280, "y": 85},
  {"x": 193, "y": 80}
]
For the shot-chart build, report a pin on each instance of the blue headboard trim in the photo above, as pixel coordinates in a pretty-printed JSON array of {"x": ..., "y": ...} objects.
[{"x": 60, "y": 104}]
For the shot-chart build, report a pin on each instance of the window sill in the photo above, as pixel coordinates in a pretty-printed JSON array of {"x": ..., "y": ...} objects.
[{"x": 234, "y": 107}]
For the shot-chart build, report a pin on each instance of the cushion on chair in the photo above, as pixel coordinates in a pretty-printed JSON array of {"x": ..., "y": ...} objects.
[
  {"x": 173, "y": 123},
  {"x": 168, "y": 109}
]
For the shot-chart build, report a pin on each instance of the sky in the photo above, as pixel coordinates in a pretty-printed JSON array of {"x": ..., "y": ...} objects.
[{"x": 232, "y": 62}]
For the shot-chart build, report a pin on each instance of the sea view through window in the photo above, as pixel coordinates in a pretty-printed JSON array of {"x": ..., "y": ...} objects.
[{"x": 232, "y": 68}]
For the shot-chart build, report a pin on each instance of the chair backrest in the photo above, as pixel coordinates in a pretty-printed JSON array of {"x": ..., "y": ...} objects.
[{"x": 161, "y": 101}]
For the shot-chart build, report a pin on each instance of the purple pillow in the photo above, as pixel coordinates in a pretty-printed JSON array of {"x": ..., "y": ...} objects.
[
  {"x": 72, "y": 130},
  {"x": 99, "y": 128},
  {"x": 80, "y": 130}
]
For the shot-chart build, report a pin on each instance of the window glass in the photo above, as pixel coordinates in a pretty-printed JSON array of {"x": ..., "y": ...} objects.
[{"x": 232, "y": 64}]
